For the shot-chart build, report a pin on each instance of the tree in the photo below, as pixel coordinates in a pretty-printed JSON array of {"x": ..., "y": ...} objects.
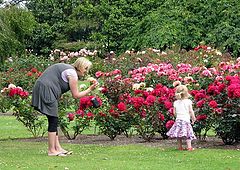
[
  {"x": 187, "y": 23},
  {"x": 52, "y": 15},
  {"x": 16, "y": 26}
]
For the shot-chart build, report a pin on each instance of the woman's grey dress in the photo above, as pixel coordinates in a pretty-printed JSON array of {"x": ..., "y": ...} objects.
[{"x": 48, "y": 89}]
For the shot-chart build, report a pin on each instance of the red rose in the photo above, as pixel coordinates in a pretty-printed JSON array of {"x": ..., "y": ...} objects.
[
  {"x": 200, "y": 103},
  {"x": 23, "y": 94},
  {"x": 90, "y": 115},
  {"x": 161, "y": 116},
  {"x": 34, "y": 70},
  {"x": 70, "y": 116},
  {"x": 80, "y": 113},
  {"x": 169, "y": 124},
  {"x": 150, "y": 100},
  {"x": 213, "y": 104},
  {"x": 29, "y": 74},
  {"x": 102, "y": 114},
  {"x": 201, "y": 117},
  {"x": 143, "y": 114},
  {"x": 168, "y": 104},
  {"x": 121, "y": 106},
  {"x": 99, "y": 74},
  {"x": 14, "y": 91}
]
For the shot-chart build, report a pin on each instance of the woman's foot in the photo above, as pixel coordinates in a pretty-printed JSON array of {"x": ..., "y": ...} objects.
[
  {"x": 66, "y": 152},
  {"x": 57, "y": 154}
]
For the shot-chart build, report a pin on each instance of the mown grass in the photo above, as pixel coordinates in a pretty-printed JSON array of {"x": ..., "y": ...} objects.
[{"x": 33, "y": 155}]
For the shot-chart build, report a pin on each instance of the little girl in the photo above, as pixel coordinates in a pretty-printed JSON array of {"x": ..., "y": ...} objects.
[{"x": 183, "y": 111}]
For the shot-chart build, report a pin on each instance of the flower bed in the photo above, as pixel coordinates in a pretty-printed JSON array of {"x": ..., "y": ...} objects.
[{"x": 139, "y": 99}]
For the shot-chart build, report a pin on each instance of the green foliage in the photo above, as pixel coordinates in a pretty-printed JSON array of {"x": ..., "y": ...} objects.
[
  {"x": 16, "y": 26},
  {"x": 187, "y": 24},
  {"x": 42, "y": 39},
  {"x": 227, "y": 128},
  {"x": 121, "y": 25},
  {"x": 52, "y": 17},
  {"x": 106, "y": 23}
]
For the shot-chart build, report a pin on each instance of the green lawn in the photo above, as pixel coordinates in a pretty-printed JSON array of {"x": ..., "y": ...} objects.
[
  {"x": 11, "y": 128},
  {"x": 33, "y": 155}
]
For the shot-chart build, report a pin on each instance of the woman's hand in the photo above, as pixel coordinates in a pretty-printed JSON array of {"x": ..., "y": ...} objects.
[
  {"x": 93, "y": 86},
  {"x": 92, "y": 80}
]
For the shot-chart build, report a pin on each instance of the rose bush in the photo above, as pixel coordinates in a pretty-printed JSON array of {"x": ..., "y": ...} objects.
[
  {"x": 199, "y": 79},
  {"x": 227, "y": 124},
  {"x": 151, "y": 109},
  {"x": 23, "y": 70},
  {"x": 139, "y": 96},
  {"x": 75, "y": 116},
  {"x": 18, "y": 101},
  {"x": 114, "y": 119}
]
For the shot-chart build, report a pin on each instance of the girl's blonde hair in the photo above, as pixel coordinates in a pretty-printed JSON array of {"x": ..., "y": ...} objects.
[
  {"x": 181, "y": 92},
  {"x": 82, "y": 62}
]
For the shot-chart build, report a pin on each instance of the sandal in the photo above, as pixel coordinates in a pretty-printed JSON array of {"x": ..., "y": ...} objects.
[
  {"x": 66, "y": 152},
  {"x": 58, "y": 154}
]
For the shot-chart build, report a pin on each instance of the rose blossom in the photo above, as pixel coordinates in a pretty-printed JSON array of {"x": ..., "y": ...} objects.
[
  {"x": 169, "y": 124},
  {"x": 121, "y": 106},
  {"x": 70, "y": 116},
  {"x": 213, "y": 104}
]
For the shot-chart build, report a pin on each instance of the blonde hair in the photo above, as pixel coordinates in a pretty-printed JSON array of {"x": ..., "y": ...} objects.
[
  {"x": 82, "y": 62},
  {"x": 181, "y": 92}
]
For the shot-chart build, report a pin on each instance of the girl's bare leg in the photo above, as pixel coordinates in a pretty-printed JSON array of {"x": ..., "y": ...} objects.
[
  {"x": 179, "y": 143},
  {"x": 189, "y": 144}
]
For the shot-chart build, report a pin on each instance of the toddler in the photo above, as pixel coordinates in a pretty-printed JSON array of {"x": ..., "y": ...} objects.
[{"x": 183, "y": 111}]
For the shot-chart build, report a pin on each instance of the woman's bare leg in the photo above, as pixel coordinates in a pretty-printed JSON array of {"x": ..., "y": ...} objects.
[
  {"x": 58, "y": 147},
  {"x": 52, "y": 143}
]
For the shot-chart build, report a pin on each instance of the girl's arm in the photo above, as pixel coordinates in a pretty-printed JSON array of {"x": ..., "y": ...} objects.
[
  {"x": 174, "y": 111},
  {"x": 191, "y": 112}
]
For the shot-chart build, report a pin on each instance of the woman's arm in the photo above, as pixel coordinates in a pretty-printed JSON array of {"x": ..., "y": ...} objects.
[{"x": 73, "y": 83}]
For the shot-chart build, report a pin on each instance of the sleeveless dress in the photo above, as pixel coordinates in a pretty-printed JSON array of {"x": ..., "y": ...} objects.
[{"x": 48, "y": 89}]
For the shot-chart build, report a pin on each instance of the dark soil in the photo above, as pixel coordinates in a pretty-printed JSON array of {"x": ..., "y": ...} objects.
[{"x": 210, "y": 142}]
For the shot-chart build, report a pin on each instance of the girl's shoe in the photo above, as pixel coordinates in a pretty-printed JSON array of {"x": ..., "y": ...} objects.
[
  {"x": 181, "y": 149},
  {"x": 190, "y": 149}
]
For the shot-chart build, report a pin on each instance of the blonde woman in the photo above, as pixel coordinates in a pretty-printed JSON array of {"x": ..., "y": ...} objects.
[
  {"x": 56, "y": 80},
  {"x": 183, "y": 111}
]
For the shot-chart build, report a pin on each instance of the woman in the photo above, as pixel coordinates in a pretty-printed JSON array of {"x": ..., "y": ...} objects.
[{"x": 56, "y": 80}]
